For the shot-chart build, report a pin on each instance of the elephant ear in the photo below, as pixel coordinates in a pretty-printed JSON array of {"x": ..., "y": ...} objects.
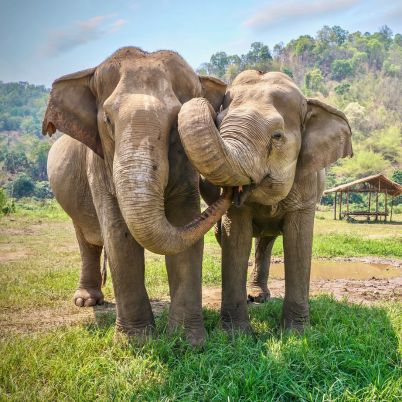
[
  {"x": 326, "y": 137},
  {"x": 213, "y": 90},
  {"x": 72, "y": 110}
]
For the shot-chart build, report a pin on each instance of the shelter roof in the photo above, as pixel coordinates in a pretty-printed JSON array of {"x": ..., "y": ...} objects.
[{"x": 377, "y": 182}]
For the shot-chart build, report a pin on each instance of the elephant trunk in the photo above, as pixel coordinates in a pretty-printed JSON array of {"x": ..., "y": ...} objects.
[
  {"x": 221, "y": 159},
  {"x": 140, "y": 173}
]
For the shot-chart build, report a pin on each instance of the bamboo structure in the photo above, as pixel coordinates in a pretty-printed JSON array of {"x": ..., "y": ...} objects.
[{"x": 377, "y": 184}]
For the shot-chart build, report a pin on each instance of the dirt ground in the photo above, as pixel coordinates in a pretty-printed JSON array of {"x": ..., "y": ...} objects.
[{"x": 39, "y": 320}]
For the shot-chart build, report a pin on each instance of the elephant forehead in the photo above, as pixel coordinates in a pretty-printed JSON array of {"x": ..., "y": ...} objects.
[
  {"x": 286, "y": 99},
  {"x": 162, "y": 73}
]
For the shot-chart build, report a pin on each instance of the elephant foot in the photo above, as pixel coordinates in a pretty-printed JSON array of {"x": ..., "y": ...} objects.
[
  {"x": 295, "y": 318},
  {"x": 233, "y": 321},
  {"x": 195, "y": 335},
  {"x": 294, "y": 326},
  {"x": 232, "y": 326},
  {"x": 257, "y": 294},
  {"x": 87, "y": 297},
  {"x": 133, "y": 336}
]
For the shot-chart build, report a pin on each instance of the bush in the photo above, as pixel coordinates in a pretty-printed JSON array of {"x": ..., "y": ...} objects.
[
  {"x": 7, "y": 206},
  {"x": 42, "y": 190},
  {"x": 22, "y": 186},
  {"x": 342, "y": 89},
  {"x": 314, "y": 80},
  {"x": 341, "y": 69}
]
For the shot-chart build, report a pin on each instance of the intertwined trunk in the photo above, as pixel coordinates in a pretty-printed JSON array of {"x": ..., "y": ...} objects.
[
  {"x": 140, "y": 173},
  {"x": 230, "y": 157}
]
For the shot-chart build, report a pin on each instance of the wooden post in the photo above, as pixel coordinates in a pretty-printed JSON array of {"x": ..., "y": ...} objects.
[
  {"x": 376, "y": 206},
  {"x": 392, "y": 204},
  {"x": 347, "y": 203},
  {"x": 340, "y": 205},
  {"x": 336, "y": 195},
  {"x": 368, "y": 216},
  {"x": 385, "y": 206}
]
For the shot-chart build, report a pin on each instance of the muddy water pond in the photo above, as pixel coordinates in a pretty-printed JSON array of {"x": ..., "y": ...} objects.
[{"x": 343, "y": 270}]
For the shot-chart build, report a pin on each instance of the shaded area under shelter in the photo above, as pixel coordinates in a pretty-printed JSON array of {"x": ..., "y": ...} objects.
[{"x": 371, "y": 185}]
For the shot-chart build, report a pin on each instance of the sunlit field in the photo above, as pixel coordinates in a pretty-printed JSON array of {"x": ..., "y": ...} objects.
[{"x": 52, "y": 350}]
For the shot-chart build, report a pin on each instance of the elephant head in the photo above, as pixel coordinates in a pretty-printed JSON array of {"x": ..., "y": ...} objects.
[
  {"x": 267, "y": 133},
  {"x": 125, "y": 110}
]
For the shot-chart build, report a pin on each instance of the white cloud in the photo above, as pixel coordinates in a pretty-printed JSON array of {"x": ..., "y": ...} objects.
[
  {"x": 79, "y": 33},
  {"x": 118, "y": 24},
  {"x": 293, "y": 10}
]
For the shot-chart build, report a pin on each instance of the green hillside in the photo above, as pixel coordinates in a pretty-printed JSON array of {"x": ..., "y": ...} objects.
[{"x": 360, "y": 73}]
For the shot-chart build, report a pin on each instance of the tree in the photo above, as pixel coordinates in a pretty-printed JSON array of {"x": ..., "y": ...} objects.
[
  {"x": 258, "y": 57},
  {"x": 314, "y": 80},
  {"x": 22, "y": 186},
  {"x": 218, "y": 63},
  {"x": 304, "y": 43},
  {"x": 397, "y": 176},
  {"x": 363, "y": 163},
  {"x": 39, "y": 154},
  {"x": 16, "y": 161},
  {"x": 334, "y": 36},
  {"x": 341, "y": 69},
  {"x": 42, "y": 190},
  {"x": 342, "y": 89}
]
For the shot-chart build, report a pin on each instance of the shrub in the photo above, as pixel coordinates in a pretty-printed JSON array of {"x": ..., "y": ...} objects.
[
  {"x": 7, "y": 206},
  {"x": 42, "y": 190},
  {"x": 341, "y": 69},
  {"x": 22, "y": 186}
]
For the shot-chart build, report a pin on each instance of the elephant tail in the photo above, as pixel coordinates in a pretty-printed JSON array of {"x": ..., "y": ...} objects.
[{"x": 104, "y": 268}]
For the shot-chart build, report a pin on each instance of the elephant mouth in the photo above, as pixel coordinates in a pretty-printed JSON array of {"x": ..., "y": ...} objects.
[
  {"x": 269, "y": 188},
  {"x": 241, "y": 193}
]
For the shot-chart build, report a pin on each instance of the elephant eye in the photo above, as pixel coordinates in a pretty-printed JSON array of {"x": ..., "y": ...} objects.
[
  {"x": 106, "y": 119},
  {"x": 277, "y": 135}
]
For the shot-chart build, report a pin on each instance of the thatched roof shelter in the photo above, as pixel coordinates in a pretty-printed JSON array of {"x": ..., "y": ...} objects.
[{"x": 372, "y": 184}]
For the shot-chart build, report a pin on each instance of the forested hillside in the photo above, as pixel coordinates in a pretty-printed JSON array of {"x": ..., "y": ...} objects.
[
  {"x": 23, "y": 150},
  {"x": 360, "y": 73}
]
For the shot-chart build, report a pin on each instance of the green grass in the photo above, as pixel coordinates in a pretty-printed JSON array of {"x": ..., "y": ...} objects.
[
  {"x": 47, "y": 209},
  {"x": 349, "y": 353}
]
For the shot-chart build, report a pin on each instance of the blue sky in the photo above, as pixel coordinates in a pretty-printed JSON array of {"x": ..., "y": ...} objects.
[{"x": 42, "y": 40}]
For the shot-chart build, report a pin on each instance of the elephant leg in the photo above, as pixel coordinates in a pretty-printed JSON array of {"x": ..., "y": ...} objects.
[
  {"x": 297, "y": 243},
  {"x": 237, "y": 235},
  {"x": 185, "y": 278},
  {"x": 89, "y": 288},
  {"x": 134, "y": 317},
  {"x": 258, "y": 283}
]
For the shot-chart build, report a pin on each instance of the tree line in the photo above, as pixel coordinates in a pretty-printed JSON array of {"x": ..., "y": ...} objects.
[{"x": 360, "y": 73}]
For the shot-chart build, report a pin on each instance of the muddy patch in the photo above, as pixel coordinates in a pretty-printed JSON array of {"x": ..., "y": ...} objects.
[
  {"x": 350, "y": 270},
  {"x": 355, "y": 291}
]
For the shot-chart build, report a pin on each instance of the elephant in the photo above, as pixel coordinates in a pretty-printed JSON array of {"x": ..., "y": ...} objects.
[
  {"x": 123, "y": 177},
  {"x": 271, "y": 144}
]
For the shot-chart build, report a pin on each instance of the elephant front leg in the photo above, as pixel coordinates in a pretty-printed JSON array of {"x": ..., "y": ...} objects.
[
  {"x": 134, "y": 317},
  {"x": 89, "y": 291},
  {"x": 185, "y": 273},
  {"x": 297, "y": 243},
  {"x": 236, "y": 246},
  {"x": 258, "y": 284}
]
